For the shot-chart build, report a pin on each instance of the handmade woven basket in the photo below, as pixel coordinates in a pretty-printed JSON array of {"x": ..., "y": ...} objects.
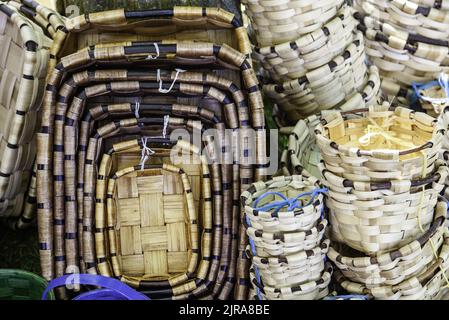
[
  {"x": 407, "y": 40},
  {"x": 314, "y": 290},
  {"x": 417, "y": 271},
  {"x": 80, "y": 7},
  {"x": 392, "y": 268},
  {"x": 345, "y": 83},
  {"x": 286, "y": 246},
  {"x": 292, "y": 60},
  {"x": 103, "y": 107},
  {"x": 25, "y": 51},
  {"x": 433, "y": 96},
  {"x": 154, "y": 239},
  {"x": 381, "y": 167},
  {"x": 278, "y": 22},
  {"x": 302, "y": 152}
]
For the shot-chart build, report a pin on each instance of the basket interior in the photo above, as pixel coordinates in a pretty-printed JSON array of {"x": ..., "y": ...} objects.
[
  {"x": 151, "y": 224},
  {"x": 381, "y": 131}
]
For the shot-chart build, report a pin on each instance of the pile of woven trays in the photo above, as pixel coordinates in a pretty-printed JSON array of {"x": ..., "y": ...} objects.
[
  {"x": 25, "y": 50},
  {"x": 406, "y": 39},
  {"x": 286, "y": 227},
  {"x": 119, "y": 194},
  {"x": 313, "y": 56},
  {"x": 388, "y": 222}
]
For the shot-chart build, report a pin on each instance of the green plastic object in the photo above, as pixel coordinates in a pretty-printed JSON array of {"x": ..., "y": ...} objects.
[{"x": 22, "y": 285}]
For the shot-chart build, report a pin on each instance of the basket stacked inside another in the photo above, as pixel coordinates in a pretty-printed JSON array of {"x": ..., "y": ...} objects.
[
  {"x": 116, "y": 194},
  {"x": 286, "y": 227},
  {"x": 388, "y": 221},
  {"x": 317, "y": 66},
  {"x": 407, "y": 40}
]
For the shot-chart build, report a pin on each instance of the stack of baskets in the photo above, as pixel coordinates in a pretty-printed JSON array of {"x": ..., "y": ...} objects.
[
  {"x": 286, "y": 227},
  {"x": 407, "y": 40},
  {"x": 25, "y": 47},
  {"x": 387, "y": 219},
  {"x": 313, "y": 55},
  {"x": 118, "y": 194}
]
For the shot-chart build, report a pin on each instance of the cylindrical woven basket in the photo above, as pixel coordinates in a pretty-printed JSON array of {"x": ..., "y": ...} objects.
[
  {"x": 292, "y": 60},
  {"x": 21, "y": 285},
  {"x": 380, "y": 165},
  {"x": 278, "y": 22},
  {"x": 286, "y": 246},
  {"x": 340, "y": 84},
  {"x": 417, "y": 271}
]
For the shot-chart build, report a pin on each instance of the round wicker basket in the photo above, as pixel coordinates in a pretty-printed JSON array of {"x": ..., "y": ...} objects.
[{"x": 381, "y": 167}]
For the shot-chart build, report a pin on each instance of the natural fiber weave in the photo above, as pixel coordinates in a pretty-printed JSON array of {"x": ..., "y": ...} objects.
[
  {"x": 343, "y": 83},
  {"x": 25, "y": 53},
  {"x": 407, "y": 41},
  {"x": 292, "y": 60},
  {"x": 314, "y": 290},
  {"x": 392, "y": 268},
  {"x": 286, "y": 245},
  {"x": 381, "y": 167},
  {"x": 278, "y": 22},
  {"x": 415, "y": 272}
]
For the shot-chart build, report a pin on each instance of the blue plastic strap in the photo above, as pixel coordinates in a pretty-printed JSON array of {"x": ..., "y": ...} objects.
[
  {"x": 291, "y": 204},
  {"x": 115, "y": 290},
  {"x": 443, "y": 82}
]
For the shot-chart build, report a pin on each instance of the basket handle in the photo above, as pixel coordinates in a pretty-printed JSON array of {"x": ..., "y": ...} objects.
[{"x": 113, "y": 289}]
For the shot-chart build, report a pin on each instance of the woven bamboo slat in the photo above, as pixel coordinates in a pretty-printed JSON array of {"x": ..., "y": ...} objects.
[
  {"x": 285, "y": 223},
  {"x": 292, "y": 60},
  {"x": 25, "y": 51},
  {"x": 381, "y": 166},
  {"x": 414, "y": 272},
  {"x": 278, "y": 22}
]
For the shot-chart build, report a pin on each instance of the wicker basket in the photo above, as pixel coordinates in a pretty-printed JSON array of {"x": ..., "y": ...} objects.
[
  {"x": 278, "y": 22},
  {"x": 286, "y": 246},
  {"x": 97, "y": 85},
  {"x": 345, "y": 83},
  {"x": 314, "y": 290},
  {"x": 21, "y": 285},
  {"x": 407, "y": 41},
  {"x": 378, "y": 162},
  {"x": 418, "y": 271},
  {"x": 392, "y": 268},
  {"x": 80, "y": 7},
  {"x": 292, "y": 60},
  {"x": 25, "y": 51}
]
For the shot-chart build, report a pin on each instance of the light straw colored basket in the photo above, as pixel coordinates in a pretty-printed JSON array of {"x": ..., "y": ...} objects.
[
  {"x": 418, "y": 271},
  {"x": 25, "y": 51},
  {"x": 344, "y": 83},
  {"x": 392, "y": 268},
  {"x": 287, "y": 248},
  {"x": 292, "y": 60},
  {"x": 276, "y": 22},
  {"x": 407, "y": 41},
  {"x": 381, "y": 167}
]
